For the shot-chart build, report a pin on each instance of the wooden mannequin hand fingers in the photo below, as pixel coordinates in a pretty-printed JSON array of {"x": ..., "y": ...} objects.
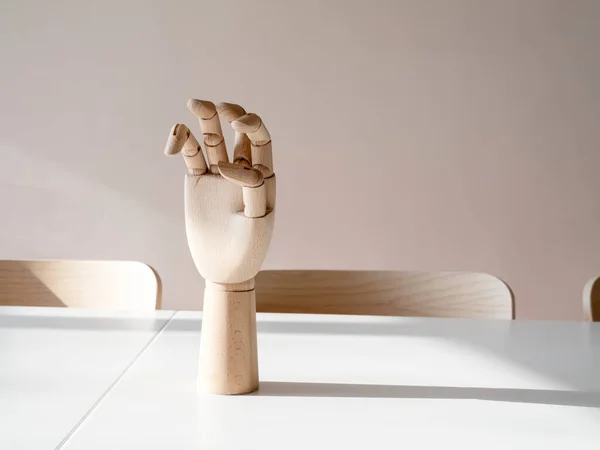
[
  {"x": 253, "y": 187},
  {"x": 215, "y": 150},
  {"x": 230, "y": 111},
  {"x": 242, "y": 176},
  {"x": 182, "y": 139},
  {"x": 177, "y": 138},
  {"x": 261, "y": 147},
  {"x": 242, "y": 154},
  {"x": 212, "y": 133},
  {"x": 254, "y": 127}
]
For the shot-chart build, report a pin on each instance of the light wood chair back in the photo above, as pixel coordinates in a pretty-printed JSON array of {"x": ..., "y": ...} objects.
[
  {"x": 124, "y": 285},
  {"x": 591, "y": 300},
  {"x": 384, "y": 293}
]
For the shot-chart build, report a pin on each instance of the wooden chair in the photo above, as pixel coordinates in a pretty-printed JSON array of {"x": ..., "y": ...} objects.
[
  {"x": 124, "y": 285},
  {"x": 384, "y": 293},
  {"x": 591, "y": 300}
]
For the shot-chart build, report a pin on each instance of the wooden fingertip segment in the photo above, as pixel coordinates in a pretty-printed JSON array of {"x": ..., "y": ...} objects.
[
  {"x": 177, "y": 139},
  {"x": 204, "y": 109},
  {"x": 241, "y": 176},
  {"x": 254, "y": 127},
  {"x": 230, "y": 111},
  {"x": 193, "y": 157}
]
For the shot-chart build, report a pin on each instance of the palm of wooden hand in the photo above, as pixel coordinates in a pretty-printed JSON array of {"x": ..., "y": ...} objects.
[{"x": 229, "y": 207}]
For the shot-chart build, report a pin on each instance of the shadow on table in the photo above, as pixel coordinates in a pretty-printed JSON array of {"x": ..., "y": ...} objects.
[
  {"x": 570, "y": 357},
  {"x": 297, "y": 389}
]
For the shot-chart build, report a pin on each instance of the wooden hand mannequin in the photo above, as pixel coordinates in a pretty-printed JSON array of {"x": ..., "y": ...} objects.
[{"x": 229, "y": 216}]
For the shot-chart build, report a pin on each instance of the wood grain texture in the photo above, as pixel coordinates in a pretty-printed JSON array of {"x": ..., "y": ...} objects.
[
  {"x": 123, "y": 285},
  {"x": 262, "y": 158},
  {"x": 245, "y": 177},
  {"x": 271, "y": 192},
  {"x": 215, "y": 150},
  {"x": 241, "y": 147},
  {"x": 228, "y": 350},
  {"x": 253, "y": 126},
  {"x": 227, "y": 247},
  {"x": 229, "y": 228},
  {"x": 206, "y": 112},
  {"x": 177, "y": 138},
  {"x": 591, "y": 300},
  {"x": 384, "y": 293},
  {"x": 182, "y": 139},
  {"x": 255, "y": 201}
]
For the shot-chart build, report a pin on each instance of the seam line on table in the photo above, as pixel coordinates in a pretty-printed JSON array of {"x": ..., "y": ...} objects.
[{"x": 113, "y": 384}]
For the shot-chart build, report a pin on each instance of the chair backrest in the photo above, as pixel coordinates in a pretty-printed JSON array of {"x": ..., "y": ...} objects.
[
  {"x": 384, "y": 293},
  {"x": 124, "y": 285},
  {"x": 591, "y": 300}
]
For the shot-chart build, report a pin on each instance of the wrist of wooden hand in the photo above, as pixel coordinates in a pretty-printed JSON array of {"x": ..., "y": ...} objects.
[
  {"x": 228, "y": 351},
  {"x": 244, "y": 286}
]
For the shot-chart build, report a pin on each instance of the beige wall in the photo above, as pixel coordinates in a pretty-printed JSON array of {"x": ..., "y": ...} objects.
[{"x": 443, "y": 134}]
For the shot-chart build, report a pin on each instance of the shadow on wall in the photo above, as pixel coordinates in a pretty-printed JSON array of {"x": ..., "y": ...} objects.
[
  {"x": 24, "y": 288},
  {"x": 53, "y": 212}
]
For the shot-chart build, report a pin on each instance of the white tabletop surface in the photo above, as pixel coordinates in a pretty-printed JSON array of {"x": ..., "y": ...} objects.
[
  {"x": 56, "y": 364},
  {"x": 360, "y": 383}
]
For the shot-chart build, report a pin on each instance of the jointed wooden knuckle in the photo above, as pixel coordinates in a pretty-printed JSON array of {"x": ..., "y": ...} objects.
[
  {"x": 243, "y": 162},
  {"x": 215, "y": 150},
  {"x": 193, "y": 157},
  {"x": 207, "y": 115},
  {"x": 262, "y": 158},
  {"x": 182, "y": 140},
  {"x": 241, "y": 149}
]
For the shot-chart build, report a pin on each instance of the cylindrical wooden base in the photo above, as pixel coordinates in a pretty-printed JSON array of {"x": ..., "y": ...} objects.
[{"x": 228, "y": 351}]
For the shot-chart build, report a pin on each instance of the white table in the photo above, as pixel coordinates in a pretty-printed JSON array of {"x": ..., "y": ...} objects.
[
  {"x": 360, "y": 382},
  {"x": 56, "y": 363}
]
